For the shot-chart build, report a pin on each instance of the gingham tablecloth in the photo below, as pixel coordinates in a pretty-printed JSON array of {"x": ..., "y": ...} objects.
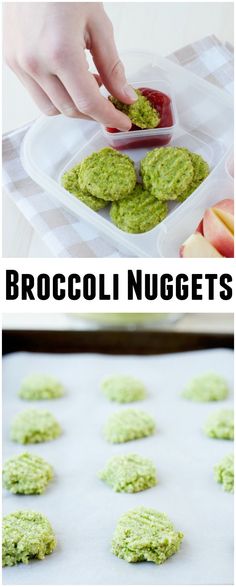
[{"x": 63, "y": 233}]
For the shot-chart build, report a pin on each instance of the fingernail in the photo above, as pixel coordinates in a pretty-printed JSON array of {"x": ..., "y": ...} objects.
[{"x": 130, "y": 93}]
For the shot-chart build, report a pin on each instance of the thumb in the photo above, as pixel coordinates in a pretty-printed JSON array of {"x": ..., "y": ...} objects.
[
  {"x": 110, "y": 67},
  {"x": 116, "y": 83}
]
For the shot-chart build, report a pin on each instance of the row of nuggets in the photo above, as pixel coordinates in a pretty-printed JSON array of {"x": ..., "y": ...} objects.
[{"x": 109, "y": 177}]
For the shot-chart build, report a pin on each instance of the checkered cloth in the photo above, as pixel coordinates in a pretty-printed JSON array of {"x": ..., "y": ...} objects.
[{"x": 63, "y": 233}]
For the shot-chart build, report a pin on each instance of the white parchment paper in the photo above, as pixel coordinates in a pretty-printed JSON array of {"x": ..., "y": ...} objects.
[{"x": 84, "y": 511}]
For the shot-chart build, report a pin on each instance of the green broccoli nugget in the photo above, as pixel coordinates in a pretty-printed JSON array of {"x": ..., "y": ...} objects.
[
  {"x": 108, "y": 174},
  {"x": 200, "y": 172},
  {"x": 127, "y": 425},
  {"x": 129, "y": 473},
  {"x": 141, "y": 113},
  {"x": 26, "y": 474},
  {"x": 143, "y": 534},
  {"x": 40, "y": 387},
  {"x": 138, "y": 213},
  {"x": 224, "y": 473},
  {"x": 70, "y": 181},
  {"x": 123, "y": 389},
  {"x": 33, "y": 426},
  {"x": 206, "y": 388},
  {"x": 26, "y": 535},
  {"x": 167, "y": 172},
  {"x": 220, "y": 425}
]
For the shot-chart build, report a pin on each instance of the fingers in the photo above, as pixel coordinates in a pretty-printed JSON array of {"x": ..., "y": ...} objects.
[
  {"x": 47, "y": 52},
  {"x": 59, "y": 96},
  {"x": 83, "y": 89},
  {"x": 76, "y": 96},
  {"x": 106, "y": 59},
  {"x": 50, "y": 96},
  {"x": 39, "y": 96},
  {"x": 63, "y": 84},
  {"x": 98, "y": 79},
  {"x": 53, "y": 87}
]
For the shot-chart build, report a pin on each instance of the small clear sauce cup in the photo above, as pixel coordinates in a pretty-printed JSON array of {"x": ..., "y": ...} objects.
[{"x": 155, "y": 137}]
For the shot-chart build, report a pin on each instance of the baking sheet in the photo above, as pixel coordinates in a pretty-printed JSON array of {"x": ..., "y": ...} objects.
[{"x": 84, "y": 511}]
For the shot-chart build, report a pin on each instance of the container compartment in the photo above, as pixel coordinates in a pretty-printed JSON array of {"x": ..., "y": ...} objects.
[{"x": 137, "y": 242}]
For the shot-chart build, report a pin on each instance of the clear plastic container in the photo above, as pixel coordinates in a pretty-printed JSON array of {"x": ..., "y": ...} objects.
[
  {"x": 229, "y": 165},
  {"x": 154, "y": 137},
  {"x": 205, "y": 114}
]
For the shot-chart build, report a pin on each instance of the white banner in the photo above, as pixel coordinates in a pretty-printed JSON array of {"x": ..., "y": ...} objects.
[{"x": 117, "y": 285}]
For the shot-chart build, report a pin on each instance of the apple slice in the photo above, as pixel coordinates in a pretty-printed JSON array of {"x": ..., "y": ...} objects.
[
  {"x": 217, "y": 233},
  {"x": 200, "y": 227},
  {"x": 196, "y": 246},
  {"x": 225, "y": 210}
]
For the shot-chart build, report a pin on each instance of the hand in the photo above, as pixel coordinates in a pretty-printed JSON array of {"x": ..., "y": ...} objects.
[{"x": 45, "y": 46}]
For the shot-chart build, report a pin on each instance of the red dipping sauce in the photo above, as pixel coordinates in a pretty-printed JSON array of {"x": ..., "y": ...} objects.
[{"x": 162, "y": 103}]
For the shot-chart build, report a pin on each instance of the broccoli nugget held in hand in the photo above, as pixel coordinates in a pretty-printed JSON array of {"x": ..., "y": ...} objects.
[{"x": 141, "y": 113}]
